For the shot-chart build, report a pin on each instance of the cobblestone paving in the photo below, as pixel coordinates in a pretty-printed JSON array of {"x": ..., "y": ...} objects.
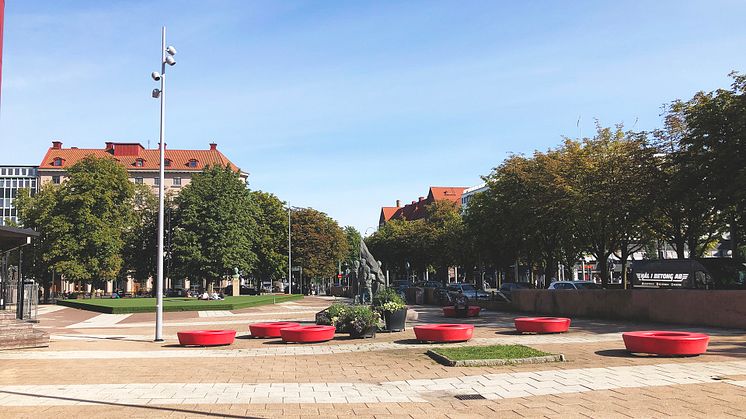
[
  {"x": 117, "y": 371},
  {"x": 489, "y": 386}
]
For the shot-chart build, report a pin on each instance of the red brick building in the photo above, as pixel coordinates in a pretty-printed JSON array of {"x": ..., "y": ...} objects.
[{"x": 417, "y": 209}]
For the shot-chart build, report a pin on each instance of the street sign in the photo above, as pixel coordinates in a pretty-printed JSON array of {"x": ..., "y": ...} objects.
[
  {"x": 339, "y": 276},
  {"x": 296, "y": 268}
]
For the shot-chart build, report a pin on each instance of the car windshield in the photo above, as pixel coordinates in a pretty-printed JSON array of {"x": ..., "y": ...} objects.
[
  {"x": 588, "y": 286},
  {"x": 467, "y": 287}
]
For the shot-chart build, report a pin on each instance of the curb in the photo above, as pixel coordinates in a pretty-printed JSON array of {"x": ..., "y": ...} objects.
[{"x": 494, "y": 362}]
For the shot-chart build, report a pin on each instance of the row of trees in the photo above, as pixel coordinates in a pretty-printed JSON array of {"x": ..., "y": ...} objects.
[
  {"x": 616, "y": 193},
  {"x": 98, "y": 226}
]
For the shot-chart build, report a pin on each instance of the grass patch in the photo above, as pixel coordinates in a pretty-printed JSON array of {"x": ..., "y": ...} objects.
[
  {"x": 464, "y": 353},
  {"x": 147, "y": 305}
]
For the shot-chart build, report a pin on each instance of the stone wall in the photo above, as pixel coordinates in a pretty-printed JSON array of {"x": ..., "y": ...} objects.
[{"x": 688, "y": 307}]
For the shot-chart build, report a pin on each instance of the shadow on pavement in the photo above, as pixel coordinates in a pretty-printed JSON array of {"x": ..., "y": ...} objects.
[{"x": 98, "y": 402}]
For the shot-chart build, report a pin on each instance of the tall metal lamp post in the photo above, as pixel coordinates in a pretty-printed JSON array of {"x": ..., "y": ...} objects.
[{"x": 167, "y": 57}]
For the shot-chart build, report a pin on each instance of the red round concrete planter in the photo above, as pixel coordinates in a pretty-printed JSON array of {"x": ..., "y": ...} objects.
[
  {"x": 269, "y": 330},
  {"x": 666, "y": 343},
  {"x": 542, "y": 324},
  {"x": 307, "y": 334},
  {"x": 444, "y": 332},
  {"x": 206, "y": 337},
  {"x": 471, "y": 311}
]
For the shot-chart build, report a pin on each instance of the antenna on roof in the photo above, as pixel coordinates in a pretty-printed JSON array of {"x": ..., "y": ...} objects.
[{"x": 148, "y": 143}]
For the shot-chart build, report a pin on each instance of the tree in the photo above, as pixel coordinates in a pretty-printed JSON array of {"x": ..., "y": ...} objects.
[
  {"x": 353, "y": 245},
  {"x": 318, "y": 243},
  {"x": 140, "y": 252},
  {"x": 271, "y": 246},
  {"x": 715, "y": 143},
  {"x": 687, "y": 215},
  {"x": 613, "y": 183},
  {"x": 37, "y": 212},
  {"x": 215, "y": 227}
]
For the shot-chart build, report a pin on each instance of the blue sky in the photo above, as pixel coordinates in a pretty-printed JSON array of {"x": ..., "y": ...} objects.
[{"x": 348, "y": 106}]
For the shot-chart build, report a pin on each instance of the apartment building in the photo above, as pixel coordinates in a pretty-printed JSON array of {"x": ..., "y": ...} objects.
[{"x": 12, "y": 179}]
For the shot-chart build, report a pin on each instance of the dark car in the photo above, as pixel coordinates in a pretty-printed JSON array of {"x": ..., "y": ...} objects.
[
  {"x": 245, "y": 290},
  {"x": 467, "y": 290},
  {"x": 507, "y": 288}
]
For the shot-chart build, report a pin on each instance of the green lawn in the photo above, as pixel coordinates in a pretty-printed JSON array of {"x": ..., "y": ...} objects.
[
  {"x": 146, "y": 305},
  {"x": 464, "y": 353}
]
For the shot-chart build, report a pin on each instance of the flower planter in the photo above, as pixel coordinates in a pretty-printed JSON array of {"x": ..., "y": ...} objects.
[
  {"x": 395, "y": 320},
  {"x": 206, "y": 337},
  {"x": 368, "y": 333},
  {"x": 542, "y": 324}
]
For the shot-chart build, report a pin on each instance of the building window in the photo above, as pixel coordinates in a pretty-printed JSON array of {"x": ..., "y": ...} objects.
[
  {"x": 192, "y": 163},
  {"x": 57, "y": 161},
  {"x": 167, "y": 162},
  {"x": 177, "y": 181},
  {"x": 156, "y": 181},
  {"x": 139, "y": 162},
  {"x": 56, "y": 180},
  {"x": 138, "y": 180}
]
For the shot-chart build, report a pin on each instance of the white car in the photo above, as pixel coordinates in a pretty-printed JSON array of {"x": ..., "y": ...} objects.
[{"x": 574, "y": 285}]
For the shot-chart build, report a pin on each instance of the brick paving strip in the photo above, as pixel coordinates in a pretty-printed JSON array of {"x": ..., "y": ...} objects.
[
  {"x": 298, "y": 349},
  {"x": 490, "y": 386},
  {"x": 247, "y": 316}
]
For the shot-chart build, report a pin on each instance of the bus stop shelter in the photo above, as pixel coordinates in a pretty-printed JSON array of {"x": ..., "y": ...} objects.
[{"x": 13, "y": 291}]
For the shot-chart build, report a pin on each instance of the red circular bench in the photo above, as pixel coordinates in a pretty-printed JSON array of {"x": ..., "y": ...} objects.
[
  {"x": 307, "y": 334},
  {"x": 666, "y": 343},
  {"x": 269, "y": 330},
  {"x": 471, "y": 311},
  {"x": 206, "y": 337},
  {"x": 444, "y": 332},
  {"x": 542, "y": 324}
]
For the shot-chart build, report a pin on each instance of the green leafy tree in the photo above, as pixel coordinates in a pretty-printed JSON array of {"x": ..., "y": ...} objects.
[
  {"x": 353, "y": 245},
  {"x": 215, "y": 227},
  {"x": 687, "y": 215},
  {"x": 83, "y": 222},
  {"x": 271, "y": 246},
  {"x": 140, "y": 251},
  {"x": 38, "y": 212},
  {"x": 715, "y": 144},
  {"x": 318, "y": 243}
]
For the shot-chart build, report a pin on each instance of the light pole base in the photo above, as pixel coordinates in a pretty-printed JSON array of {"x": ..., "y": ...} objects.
[{"x": 159, "y": 340}]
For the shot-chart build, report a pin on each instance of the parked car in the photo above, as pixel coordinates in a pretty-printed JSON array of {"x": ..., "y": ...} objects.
[
  {"x": 507, "y": 288},
  {"x": 574, "y": 285},
  {"x": 245, "y": 290},
  {"x": 467, "y": 290}
]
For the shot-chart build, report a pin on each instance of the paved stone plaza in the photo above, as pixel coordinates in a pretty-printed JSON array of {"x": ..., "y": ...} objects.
[{"x": 101, "y": 365}]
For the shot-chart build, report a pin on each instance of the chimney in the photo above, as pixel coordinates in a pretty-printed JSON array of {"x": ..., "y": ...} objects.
[
  {"x": 398, "y": 203},
  {"x": 57, "y": 145},
  {"x": 109, "y": 145},
  {"x": 213, "y": 146},
  {"x": 420, "y": 199}
]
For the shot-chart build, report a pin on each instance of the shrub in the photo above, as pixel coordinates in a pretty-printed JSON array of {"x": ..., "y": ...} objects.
[
  {"x": 358, "y": 319},
  {"x": 387, "y": 299},
  {"x": 332, "y": 315}
]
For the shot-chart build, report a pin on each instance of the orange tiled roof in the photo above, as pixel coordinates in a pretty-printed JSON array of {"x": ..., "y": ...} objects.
[
  {"x": 180, "y": 159},
  {"x": 417, "y": 209},
  {"x": 441, "y": 193}
]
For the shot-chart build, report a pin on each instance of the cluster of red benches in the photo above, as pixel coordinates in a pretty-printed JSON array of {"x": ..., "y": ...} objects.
[
  {"x": 288, "y": 331},
  {"x": 650, "y": 342}
]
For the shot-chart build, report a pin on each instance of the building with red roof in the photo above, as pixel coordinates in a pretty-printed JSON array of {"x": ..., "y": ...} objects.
[
  {"x": 417, "y": 209},
  {"x": 142, "y": 164}
]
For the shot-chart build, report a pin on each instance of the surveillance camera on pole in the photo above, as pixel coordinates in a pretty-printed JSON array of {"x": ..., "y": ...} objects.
[{"x": 167, "y": 54}]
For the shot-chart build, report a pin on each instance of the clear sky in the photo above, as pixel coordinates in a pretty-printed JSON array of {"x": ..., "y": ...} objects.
[{"x": 348, "y": 106}]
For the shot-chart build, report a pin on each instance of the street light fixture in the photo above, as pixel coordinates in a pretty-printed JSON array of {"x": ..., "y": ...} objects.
[{"x": 161, "y": 94}]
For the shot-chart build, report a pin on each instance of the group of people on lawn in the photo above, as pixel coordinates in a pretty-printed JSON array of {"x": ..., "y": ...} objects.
[{"x": 207, "y": 296}]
